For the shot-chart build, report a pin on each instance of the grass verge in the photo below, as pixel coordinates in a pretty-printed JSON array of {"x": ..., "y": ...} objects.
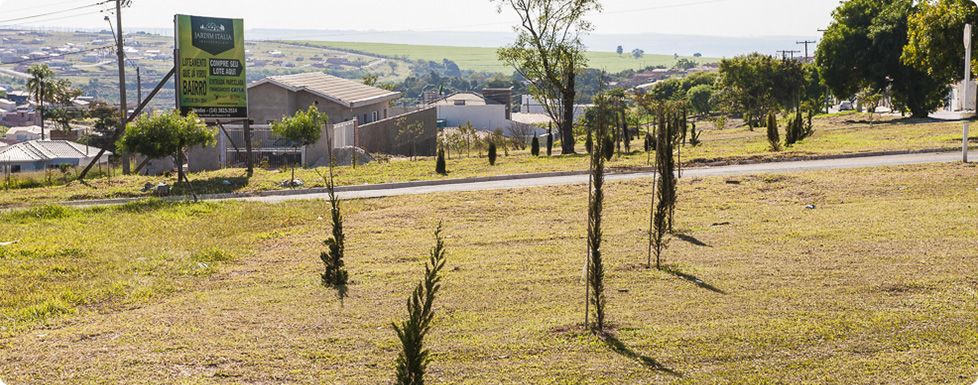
[{"x": 867, "y": 287}]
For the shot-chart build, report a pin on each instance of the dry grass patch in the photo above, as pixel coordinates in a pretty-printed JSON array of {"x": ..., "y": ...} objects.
[{"x": 868, "y": 287}]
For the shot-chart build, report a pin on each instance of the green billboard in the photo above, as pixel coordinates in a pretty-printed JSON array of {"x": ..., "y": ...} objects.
[{"x": 211, "y": 67}]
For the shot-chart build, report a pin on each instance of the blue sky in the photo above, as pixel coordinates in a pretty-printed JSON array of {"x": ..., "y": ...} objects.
[{"x": 734, "y": 18}]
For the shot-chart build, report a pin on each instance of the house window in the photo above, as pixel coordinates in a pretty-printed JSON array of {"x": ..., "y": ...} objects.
[
  {"x": 14, "y": 169},
  {"x": 365, "y": 118},
  {"x": 460, "y": 102},
  {"x": 373, "y": 116}
]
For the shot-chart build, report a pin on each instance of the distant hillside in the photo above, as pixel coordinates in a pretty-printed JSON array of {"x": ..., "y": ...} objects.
[{"x": 483, "y": 59}]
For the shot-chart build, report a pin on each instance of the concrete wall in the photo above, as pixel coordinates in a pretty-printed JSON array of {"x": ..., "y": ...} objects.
[
  {"x": 487, "y": 117},
  {"x": 381, "y": 137},
  {"x": 269, "y": 102}
]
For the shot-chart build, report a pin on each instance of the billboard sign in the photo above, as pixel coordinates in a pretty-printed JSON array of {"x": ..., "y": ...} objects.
[{"x": 211, "y": 67}]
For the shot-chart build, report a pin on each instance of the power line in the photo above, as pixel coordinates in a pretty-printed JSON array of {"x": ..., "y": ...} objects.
[
  {"x": 42, "y": 6},
  {"x": 61, "y": 18},
  {"x": 60, "y": 55},
  {"x": 52, "y": 13}
]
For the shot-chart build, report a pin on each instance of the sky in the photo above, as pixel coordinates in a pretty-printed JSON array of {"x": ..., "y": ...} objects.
[{"x": 729, "y": 18}]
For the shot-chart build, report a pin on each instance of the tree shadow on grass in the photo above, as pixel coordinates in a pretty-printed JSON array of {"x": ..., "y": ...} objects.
[
  {"x": 648, "y": 362},
  {"x": 674, "y": 270},
  {"x": 341, "y": 292},
  {"x": 690, "y": 239}
]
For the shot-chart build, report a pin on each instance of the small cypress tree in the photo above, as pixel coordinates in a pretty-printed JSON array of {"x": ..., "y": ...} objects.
[
  {"x": 589, "y": 142},
  {"x": 694, "y": 137},
  {"x": 772, "y": 132},
  {"x": 492, "y": 153},
  {"x": 809, "y": 128},
  {"x": 648, "y": 142},
  {"x": 535, "y": 146},
  {"x": 440, "y": 167},
  {"x": 334, "y": 274},
  {"x": 595, "y": 266},
  {"x": 550, "y": 141},
  {"x": 413, "y": 358}
]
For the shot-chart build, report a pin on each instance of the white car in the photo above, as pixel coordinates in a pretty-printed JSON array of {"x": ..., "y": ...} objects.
[{"x": 845, "y": 106}]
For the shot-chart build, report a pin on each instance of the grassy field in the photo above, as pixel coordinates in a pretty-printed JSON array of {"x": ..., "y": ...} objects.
[
  {"x": 483, "y": 59},
  {"x": 867, "y": 288},
  {"x": 835, "y": 134}
]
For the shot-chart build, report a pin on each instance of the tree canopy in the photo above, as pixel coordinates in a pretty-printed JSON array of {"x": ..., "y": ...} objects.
[
  {"x": 758, "y": 84},
  {"x": 549, "y": 53},
  {"x": 165, "y": 134},
  {"x": 303, "y": 128},
  {"x": 862, "y": 48},
  {"x": 934, "y": 42}
]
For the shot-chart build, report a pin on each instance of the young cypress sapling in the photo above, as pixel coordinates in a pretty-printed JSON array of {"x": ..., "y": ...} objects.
[
  {"x": 413, "y": 358},
  {"x": 334, "y": 274},
  {"x": 535, "y": 146},
  {"x": 440, "y": 166},
  {"x": 772, "y": 132},
  {"x": 492, "y": 153}
]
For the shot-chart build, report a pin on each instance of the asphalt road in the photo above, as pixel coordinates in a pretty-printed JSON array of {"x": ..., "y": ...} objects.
[{"x": 776, "y": 167}]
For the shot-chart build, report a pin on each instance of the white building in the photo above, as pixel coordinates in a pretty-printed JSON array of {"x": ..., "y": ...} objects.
[
  {"x": 460, "y": 107},
  {"x": 530, "y": 105},
  {"x": 39, "y": 155}
]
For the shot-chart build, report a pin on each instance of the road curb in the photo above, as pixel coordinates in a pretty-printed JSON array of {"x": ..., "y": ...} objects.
[{"x": 438, "y": 182}]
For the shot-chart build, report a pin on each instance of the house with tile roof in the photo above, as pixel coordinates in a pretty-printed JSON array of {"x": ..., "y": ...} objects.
[
  {"x": 38, "y": 155},
  {"x": 342, "y": 100}
]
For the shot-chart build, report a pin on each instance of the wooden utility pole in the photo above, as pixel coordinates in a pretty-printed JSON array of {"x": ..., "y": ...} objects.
[
  {"x": 806, "y": 43},
  {"x": 122, "y": 80}
]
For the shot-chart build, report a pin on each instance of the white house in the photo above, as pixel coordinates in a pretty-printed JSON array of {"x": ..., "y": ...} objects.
[
  {"x": 23, "y": 134},
  {"x": 38, "y": 155},
  {"x": 530, "y": 105},
  {"x": 460, "y": 107}
]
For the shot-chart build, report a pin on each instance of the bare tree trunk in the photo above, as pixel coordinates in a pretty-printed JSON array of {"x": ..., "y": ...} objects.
[{"x": 567, "y": 125}]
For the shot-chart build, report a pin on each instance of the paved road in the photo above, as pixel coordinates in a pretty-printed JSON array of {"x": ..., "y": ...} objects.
[{"x": 778, "y": 167}]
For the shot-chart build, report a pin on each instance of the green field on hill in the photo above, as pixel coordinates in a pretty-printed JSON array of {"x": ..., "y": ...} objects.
[{"x": 483, "y": 59}]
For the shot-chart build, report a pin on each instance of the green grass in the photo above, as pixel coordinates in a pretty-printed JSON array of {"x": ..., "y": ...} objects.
[
  {"x": 836, "y": 134},
  {"x": 866, "y": 288},
  {"x": 483, "y": 59}
]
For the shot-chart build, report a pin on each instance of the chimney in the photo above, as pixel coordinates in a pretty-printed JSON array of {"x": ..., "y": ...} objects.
[{"x": 502, "y": 96}]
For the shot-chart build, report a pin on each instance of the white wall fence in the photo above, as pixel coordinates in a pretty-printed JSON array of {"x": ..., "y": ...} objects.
[{"x": 277, "y": 151}]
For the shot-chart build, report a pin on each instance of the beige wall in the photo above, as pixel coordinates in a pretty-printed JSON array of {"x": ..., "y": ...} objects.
[
  {"x": 381, "y": 136},
  {"x": 269, "y": 102}
]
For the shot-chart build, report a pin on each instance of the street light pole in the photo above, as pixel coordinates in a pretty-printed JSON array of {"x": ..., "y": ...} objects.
[
  {"x": 967, "y": 81},
  {"x": 122, "y": 79}
]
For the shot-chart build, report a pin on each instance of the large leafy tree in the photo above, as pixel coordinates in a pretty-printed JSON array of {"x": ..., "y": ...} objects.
[
  {"x": 166, "y": 134},
  {"x": 935, "y": 43},
  {"x": 862, "y": 48},
  {"x": 756, "y": 85},
  {"x": 549, "y": 53}
]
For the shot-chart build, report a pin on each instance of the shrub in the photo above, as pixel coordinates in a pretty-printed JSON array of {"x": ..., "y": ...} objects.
[
  {"x": 608, "y": 147},
  {"x": 535, "y": 146}
]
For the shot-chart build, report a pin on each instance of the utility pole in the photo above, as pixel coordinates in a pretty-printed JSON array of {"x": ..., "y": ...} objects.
[
  {"x": 784, "y": 54},
  {"x": 122, "y": 80},
  {"x": 806, "y": 43},
  {"x": 139, "y": 87}
]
